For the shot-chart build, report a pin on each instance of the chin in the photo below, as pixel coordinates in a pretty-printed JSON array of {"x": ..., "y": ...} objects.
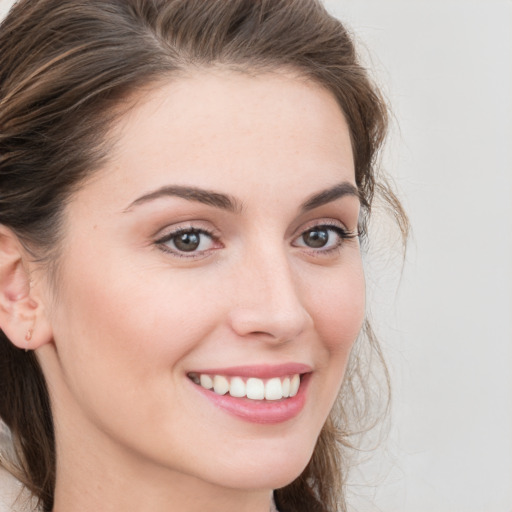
[{"x": 276, "y": 470}]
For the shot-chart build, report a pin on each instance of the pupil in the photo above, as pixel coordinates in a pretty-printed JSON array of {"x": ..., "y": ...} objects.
[
  {"x": 187, "y": 242},
  {"x": 316, "y": 238}
]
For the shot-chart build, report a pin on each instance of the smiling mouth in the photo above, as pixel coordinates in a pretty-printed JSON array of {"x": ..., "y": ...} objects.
[{"x": 253, "y": 388}]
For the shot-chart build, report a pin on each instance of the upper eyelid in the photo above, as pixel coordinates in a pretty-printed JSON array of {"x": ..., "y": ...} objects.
[
  {"x": 333, "y": 227},
  {"x": 166, "y": 237},
  {"x": 327, "y": 222},
  {"x": 205, "y": 227},
  {"x": 173, "y": 230}
]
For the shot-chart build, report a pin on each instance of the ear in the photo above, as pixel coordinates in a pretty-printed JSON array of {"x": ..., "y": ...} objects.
[{"x": 22, "y": 316}]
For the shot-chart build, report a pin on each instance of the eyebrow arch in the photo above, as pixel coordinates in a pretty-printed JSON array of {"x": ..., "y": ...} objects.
[
  {"x": 330, "y": 194},
  {"x": 231, "y": 204},
  {"x": 208, "y": 197}
]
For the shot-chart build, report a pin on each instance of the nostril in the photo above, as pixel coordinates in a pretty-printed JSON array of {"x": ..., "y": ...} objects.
[{"x": 269, "y": 324}]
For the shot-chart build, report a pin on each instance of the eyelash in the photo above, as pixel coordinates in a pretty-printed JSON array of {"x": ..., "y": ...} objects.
[
  {"x": 163, "y": 241},
  {"x": 342, "y": 233}
]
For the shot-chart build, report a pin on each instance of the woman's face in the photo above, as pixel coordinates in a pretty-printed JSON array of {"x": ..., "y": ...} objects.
[{"x": 219, "y": 247}]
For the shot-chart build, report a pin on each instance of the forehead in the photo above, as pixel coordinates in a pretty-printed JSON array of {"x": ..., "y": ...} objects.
[{"x": 230, "y": 128}]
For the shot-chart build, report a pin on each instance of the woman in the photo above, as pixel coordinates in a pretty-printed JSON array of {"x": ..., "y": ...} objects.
[{"x": 184, "y": 187}]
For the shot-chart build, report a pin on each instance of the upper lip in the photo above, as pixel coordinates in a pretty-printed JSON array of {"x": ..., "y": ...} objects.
[{"x": 263, "y": 371}]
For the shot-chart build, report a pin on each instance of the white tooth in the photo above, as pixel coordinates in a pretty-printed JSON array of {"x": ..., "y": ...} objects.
[
  {"x": 294, "y": 385},
  {"x": 220, "y": 385},
  {"x": 286, "y": 387},
  {"x": 255, "y": 389},
  {"x": 206, "y": 381},
  {"x": 237, "y": 387},
  {"x": 273, "y": 389}
]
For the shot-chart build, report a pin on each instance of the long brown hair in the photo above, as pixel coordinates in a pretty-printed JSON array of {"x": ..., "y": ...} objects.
[{"x": 66, "y": 67}]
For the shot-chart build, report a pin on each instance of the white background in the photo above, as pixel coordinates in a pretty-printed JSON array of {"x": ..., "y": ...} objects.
[{"x": 446, "y": 67}]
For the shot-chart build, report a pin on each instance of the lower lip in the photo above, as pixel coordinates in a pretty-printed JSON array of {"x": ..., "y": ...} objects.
[{"x": 260, "y": 411}]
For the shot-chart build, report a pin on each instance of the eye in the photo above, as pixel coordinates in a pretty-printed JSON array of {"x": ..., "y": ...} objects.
[
  {"x": 323, "y": 237},
  {"x": 191, "y": 241}
]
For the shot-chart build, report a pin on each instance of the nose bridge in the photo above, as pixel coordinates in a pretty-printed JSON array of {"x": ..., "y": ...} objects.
[{"x": 268, "y": 300}]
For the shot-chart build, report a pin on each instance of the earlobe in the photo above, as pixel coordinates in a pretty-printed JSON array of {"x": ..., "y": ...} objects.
[{"x": 22, "y": 317}]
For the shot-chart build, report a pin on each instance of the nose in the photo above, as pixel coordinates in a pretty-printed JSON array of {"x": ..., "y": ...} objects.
[{"x": 266, "y": 302}]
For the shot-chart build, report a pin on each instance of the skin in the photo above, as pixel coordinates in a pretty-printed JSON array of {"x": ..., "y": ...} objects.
[{"x": 129, "y": 318}]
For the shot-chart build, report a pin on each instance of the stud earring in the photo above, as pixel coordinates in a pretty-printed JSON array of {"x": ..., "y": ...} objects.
[{"x": 28, "y": 337}]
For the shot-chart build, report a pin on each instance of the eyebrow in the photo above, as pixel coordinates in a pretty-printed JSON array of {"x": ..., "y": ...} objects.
[
  {"x": 208, "y": 197},
  {"x": 329, "y": 195},
  {"x": 231, "y": 204}
]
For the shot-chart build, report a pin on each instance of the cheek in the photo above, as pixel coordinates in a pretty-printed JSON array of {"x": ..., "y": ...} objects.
[
  {"x": 339, "y": 309},
  {"x": 134, "y": 320},
  {"x": 129, "y": 337}
]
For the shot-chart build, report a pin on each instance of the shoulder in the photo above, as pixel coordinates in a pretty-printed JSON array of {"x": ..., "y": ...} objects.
[
  {"x": 13, "y": 496},
  {"x": 10, "y": 489}
]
